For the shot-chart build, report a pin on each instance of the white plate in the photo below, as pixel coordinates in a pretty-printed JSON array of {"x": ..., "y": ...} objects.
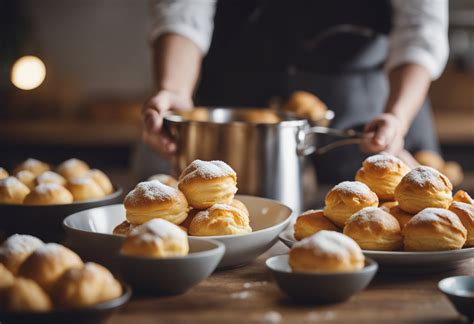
[
  {"x": 409, "y": 262},
  {"x": 90, "y": 231}
]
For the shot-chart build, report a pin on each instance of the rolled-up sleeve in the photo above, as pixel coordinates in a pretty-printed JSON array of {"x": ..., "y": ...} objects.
[
  {"x": 193, "y": 19},
  {"x": 419, "y": 35}
]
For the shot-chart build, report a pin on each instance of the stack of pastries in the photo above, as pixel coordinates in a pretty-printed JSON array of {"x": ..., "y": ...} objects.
[
  {"x": 391, "y": 207},
  {"x": 202, "y": 202},
  {"x": 33, "y": 183},
  {"x": 41, "y": 277}
]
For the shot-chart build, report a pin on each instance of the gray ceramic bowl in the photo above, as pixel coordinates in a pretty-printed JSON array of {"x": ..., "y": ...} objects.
[
  {"x": 460, "y": 291},
  {"x": 319, "y": 288},
  {"x": 171, "y": 276}
]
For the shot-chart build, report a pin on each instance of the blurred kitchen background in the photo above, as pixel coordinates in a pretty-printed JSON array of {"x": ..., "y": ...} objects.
[{"x": 95, "y": 60}]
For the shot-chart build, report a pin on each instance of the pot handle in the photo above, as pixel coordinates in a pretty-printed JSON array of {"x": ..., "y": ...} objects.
[{"x": 350, "y": 136}]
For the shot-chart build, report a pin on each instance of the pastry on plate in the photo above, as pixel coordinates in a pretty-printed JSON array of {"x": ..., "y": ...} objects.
[
  {"x": 240, "y": 205},
  {"x": 465, "y": 212},
  {"x": 326, "y": 251},
  {"x": 423, "y": 187},
  {"x": 434, "y": 229},
  {"x": 27, "y": 178},
  {"x": 165, "y": 178},
  {"x": 12, "y": 191},
  {"x": 48, "y": 194},
  {"x": 73, "y": 168},
  {"x": 157, "y": 238},
  {"x": 306, "y": 105},
  {"x": 374, "y": 229},
  {"x": 34, "y": 166},
  {"x": 382, "y": 173},
  {"x": 402, "y": 216},
  {"x": 220, "y": 219},
  {"x": 84, "y": 188},
  {"x": 311, "y": 222},
  {"x": 463, "y": 196},
  {"x": 153, "y": 199},
  {"x": 206, "y": 183},
  {"x": 15, "y": 249},
  {"x": 102, "y": 180},
  {"x": 25, "y": 295},
  {"x": 347, "y": 198},
  {"x": 50, "y": 177},
  {"x": 3, "y": 173},
  {"x": 123, "y": 228}
]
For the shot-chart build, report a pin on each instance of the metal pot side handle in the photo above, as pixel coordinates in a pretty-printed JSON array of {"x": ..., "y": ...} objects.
[{"x": 305, "y": 148}]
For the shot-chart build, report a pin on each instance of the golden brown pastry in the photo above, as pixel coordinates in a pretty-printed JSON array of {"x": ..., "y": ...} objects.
[
  {"x": 50, "y": 177},
  {"x": 3, "y": 173},
  {"x": 429, "y": 158},
  {"x": 240, "y": 205},
  {"x": 326, "y": 251},
  {"x": 85, "y": 286},
  {"x": 306, "y": 105},
  {"x": 25, "y": 295},
  {"x": 347, "y": 198},
  {"x": 84, "y": 188},
  {"x": 310, "y": 222},
  {"x": 187, "y": 222},
  {"x": 423, "y": 187},
  {"x": 48, "y": 194},
  {"x": 123, "y": 228},
  {"x": 402, "y": 216},
  {"x": 102, "y": 180},
  {"x": 465, "y": 212},
  {"x": 15, "y": 249},
  {"x": 374, "y": 229},
  {"x": 434, "y": 229},
  {"x": 47, "y": 263},
  {"x": 463, "y": 196},
  {"x": 259, "y": 116},
  {"x": 27, "y": 178},
  {"x": 388, "y": 204},
  {"x": 382, "y": 173},
  {"x": 153, "y": 199},
  {"x": 73, "y": 168},
  {"x": 157, "y": 238},
  {"x": 206, "y": 183},
  {"x": 34, "y": 166},
  {"x": 166, "y": 179},
  {"x": 12, "y": 191},
  {"x": 220, "y": 220},
  {"x": 453, "y": 171},
  {"x": 6, "y": 277}
]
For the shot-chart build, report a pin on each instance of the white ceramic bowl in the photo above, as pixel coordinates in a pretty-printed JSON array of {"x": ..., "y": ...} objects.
[{"x": 89, "y": 232}]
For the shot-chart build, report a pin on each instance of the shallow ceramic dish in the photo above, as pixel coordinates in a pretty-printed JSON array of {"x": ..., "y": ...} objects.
[
  {"x": 98, "y": 313},
  {"x": 93, "y": 228},
  {"x": 460, "y": 291},
  {"x": 319, "y": 287},
  {"x": 171, "y": 276},
  {"x": 407, "y": 262},
  {"x": 45, "y": 221}
]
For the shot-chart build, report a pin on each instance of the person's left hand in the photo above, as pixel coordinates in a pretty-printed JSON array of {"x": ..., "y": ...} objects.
[{"x": 384, "y": 133}]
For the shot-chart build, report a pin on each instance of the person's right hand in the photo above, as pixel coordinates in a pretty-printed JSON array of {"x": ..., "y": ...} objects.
[{"x": 153, "y": 112}]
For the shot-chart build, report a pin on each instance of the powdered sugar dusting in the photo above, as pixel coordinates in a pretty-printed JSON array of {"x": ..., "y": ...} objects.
[
  {"x": 10, "y": 181},
  {"x": 434, "y": 215},
  {"x": 329, "y": 242},
  {"x": 47, "y": 188},
  {"x": 20, "y": 244},
  {"x": 383, "y": 161},
  {"x": 150, "y": 190},
  {"x": 424, "y": 176},
  {"x": 466, "y": 208},
  {"x": 50, "y": 176},
  {"x": 352, "y": 187},
  {"x": 72, "y": 163},
  {"x": 49, "y": 249},
  {"x": 158, "y": 228},
  {"x": 81, "y": 180},
  {"x": 31, "y": 163},
  {"x": 206, "y": 170},
  {"x": 373, "y": 214}
]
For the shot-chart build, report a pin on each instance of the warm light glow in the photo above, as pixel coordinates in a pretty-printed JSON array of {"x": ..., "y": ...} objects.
[{"x": 28, "y": 72}]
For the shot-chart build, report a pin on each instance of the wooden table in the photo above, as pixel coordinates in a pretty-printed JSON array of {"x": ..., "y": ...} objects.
[{"x": 250, "y": 295}]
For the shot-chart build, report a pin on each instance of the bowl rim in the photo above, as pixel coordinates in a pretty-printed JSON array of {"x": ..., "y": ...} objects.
[
  {"x": 369, "y": 266},
  {"x": 443, "y": 282}
]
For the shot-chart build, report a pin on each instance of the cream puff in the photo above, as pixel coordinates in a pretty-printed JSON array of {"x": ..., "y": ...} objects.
[
  {"x": 388, "y": 204},
  {"x": 374, "y": 229},
  {"x": 347, "y": 198},
  {"x": 434, "y": 229},
  {"x": 423, "y": 187},
  {"x": 3, "y": 173},
  {"x": 50, "y": 177},
  {"x": 73, "y": 168},
  {"x": 402, "y": 216},
  {"x": 157, "y": 238},
  {"x": 6, "y": 278},
  {"x": 382, "y": 173},
  {"x": 84, "y": 188},
  {"x": 310, "y": 222},
  {"x": 220, "y": 220},
  {"x": 306, "y": 105},
  {"x": 15, "y": 249},
  {"x": 25, "y": 295},
  {"x": 166, "y": 179},
  {"x": 48, "y": 194},
  {"x": 206, "y": 183},
  {"x": 34, "y": 166},
  {"x": 123, "y": 228},
  {"x": 102, "y": 180},
  {"x": 12, "y": 191},
  {"x": 240, "y": 205},
  {"x": 465, "y": 212},
  {"x": 153, "y": 199},
  {"x": 27, "y": 178},
  {"x": 326, "y": 251},
  {"x": 462, "y": 196}
]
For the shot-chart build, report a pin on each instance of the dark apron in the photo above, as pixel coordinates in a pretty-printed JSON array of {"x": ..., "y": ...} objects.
[{"x": 334, "y": 49}]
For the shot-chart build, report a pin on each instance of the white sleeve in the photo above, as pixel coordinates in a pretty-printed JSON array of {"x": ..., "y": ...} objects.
[
  {"x": 193, "y": 19},
  {"x": 419, "y": 35}
]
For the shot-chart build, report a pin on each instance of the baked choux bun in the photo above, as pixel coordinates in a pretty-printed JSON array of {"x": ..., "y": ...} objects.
[
  {"x": 374, "y": 229},
  {"x": 3, "y": 173},
  {"x": 47, "y": 263},
  {"x": 259, "y": 116},
  {"x": 306, "y": 105},
  {"x": 429, "y": 158},
  {"x": 73, "y": 168},
  {"x": 153, "y": 199},
  {"x": 27, "y": 178},
  {"x": 434, "y": 229},
  {"x": 166, "y": 179},
  {"x": 12, "y": 191},
  {"x": 310, "y": 222},
  {"x": 388, "y": 204},
  {"x": 220, "y": 220},
  {"x": 462, "y": 196},
  {"x": 382, "y": 173},
  {"x": 402, "y": 216},
  {"x": 15, "y": 249},
  {"x": 123, "y": 228},
  {"x": 48, "y": 194},
  {"x": 84, "y": 188},
  {"x": 206, "y": 183},
  {"x": 50, "y": 177},
  {"x": 326, "y": 251},
  {"x": 187, "y": 222},
  {"x": 84, "y": 286},
  {"x": 423, "y": 187},
  {"x": 25, "y": 295},
  {"x": 347, "y": 198},
  {"x": 34, "y": 166},
  {"x": 6, "y": 278},
  {"x": 157, "y": 238},
  {"x": 240, "y": 205},
  {"x": 102, "y": 180},
  {"x": 465, "y": 212}
]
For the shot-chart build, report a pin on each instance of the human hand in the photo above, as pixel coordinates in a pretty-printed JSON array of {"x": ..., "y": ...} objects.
[{"x": 385, "y": 132}]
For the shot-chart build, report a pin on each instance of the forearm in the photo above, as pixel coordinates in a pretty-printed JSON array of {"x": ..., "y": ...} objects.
[{"x": 177, "y": 62}]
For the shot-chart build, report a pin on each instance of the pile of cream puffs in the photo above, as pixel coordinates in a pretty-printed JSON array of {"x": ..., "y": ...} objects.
[
  {"x": 391, "y": 207},
  {"x": 33, "y": 183}
]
